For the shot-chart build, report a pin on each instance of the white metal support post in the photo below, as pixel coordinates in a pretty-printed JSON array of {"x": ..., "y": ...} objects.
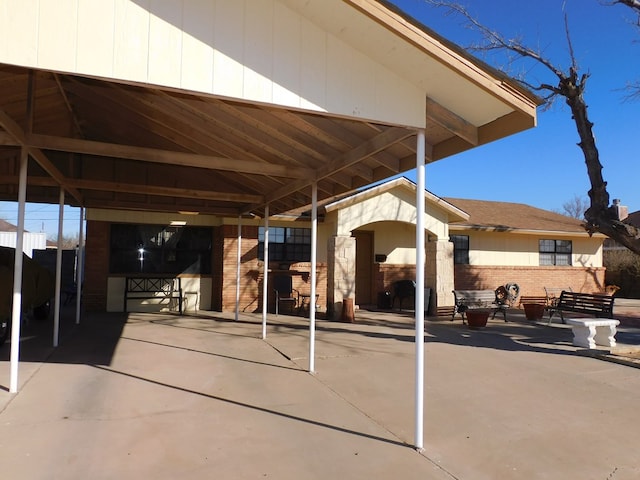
[
  {"x": 80, "y": 265},
  {"x": 265, "y": 276},
  {"x": 239, "y": 242},
  {"x": 56, "y": 314},
  {"x": 419, "y": 294},
  {"x": 312, "y": 290},
  {"x": 16, "y": 313}
]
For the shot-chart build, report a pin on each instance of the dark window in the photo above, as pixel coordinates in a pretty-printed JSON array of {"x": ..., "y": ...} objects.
[
  {"x": 555, "y": 252},
  {"x": 160, "y": 249},
  {"x": 286, "y": 244},
  {"x": 460, "y": 249}
]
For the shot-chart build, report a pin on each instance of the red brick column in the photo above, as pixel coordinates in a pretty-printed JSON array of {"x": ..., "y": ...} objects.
[{"x": 96, "y": 266}]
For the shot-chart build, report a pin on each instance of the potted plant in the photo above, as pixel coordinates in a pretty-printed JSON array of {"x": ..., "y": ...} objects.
[
  {"x": 533, "y": 311},
  {"x": 477, "y": 317}
]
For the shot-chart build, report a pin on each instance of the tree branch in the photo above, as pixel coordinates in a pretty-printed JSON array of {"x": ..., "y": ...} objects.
[{"x": 571, "y": 85}]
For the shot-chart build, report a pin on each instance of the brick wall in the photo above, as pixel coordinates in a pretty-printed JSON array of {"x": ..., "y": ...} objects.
[
  {"x": 251, "y": 272},
  {"x": 250, "y": 269},
  {"x": 531, "y": 280},
  {"x": 96, "y": 266},
  {"x": 216, "y": 268},
  {"x": 387, "y": 274}
]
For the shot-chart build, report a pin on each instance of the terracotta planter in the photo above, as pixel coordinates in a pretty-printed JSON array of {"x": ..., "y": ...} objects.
[
  {"x": 477, "y": 318},
  {"x": 533, "y": 311}
]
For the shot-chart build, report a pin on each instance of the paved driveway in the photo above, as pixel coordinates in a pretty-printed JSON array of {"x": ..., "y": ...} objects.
[{"x": 163, "y": 396}]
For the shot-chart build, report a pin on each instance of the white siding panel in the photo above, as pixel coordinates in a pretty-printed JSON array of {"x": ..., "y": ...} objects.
[
  {"x": 30, "y": 241},
  {"x": 197, "y": 45},
  {"x": 19, "y": 27},
  {"x": 363, "y": 86},
  {"x": 313, "y": 65},
  {"x": 165, "y": 42},
  {"x": 258, "y": 50},
  {"x": 95, "y": 37},
  {"x": 286, "y": 57},
  {"x": 228, "y": 71},
  {"x": 398, "y": 100},
  {"x": 131, "y": 40},
  {"x": 58, "y": 33},
  {"x": 339, "y": 66},
  {"x": 115, "y": 294}
]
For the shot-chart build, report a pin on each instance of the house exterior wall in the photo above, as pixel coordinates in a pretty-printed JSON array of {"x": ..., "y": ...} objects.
[
  {"x": 105, "y": 291},
  {"x": 261, "y": 51},
  {"x": 391, "y": 216},
  {"x": 531, "y": 280},
  {"x": 500, "y": 258},
  {"x": 505, "y": 249},
  {"x": 96, "y": 266}
]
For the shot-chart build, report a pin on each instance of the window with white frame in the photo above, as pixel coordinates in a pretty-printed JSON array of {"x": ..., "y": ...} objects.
[
  {"x": 286, "y": 244},
  {"x": 460, "y": 249},
  {"x": 555, "y": 252}
]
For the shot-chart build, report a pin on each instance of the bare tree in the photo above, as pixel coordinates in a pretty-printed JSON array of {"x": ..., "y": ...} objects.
[
  {"x": 68, "y": 242},
  {"x": 634, "y": 4},
  {"x": 632, "y": 87},
  {"x": 575, "y": 207},
  {"x": 569, "y": 84}
]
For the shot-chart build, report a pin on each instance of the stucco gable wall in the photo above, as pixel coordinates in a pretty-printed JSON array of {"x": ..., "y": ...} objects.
[
  {"x": 397, "y": 241},
  {"x": 254, "y": 50},
  {"x": 513, "y": 249},
  {"x": 392, "y": 206}
]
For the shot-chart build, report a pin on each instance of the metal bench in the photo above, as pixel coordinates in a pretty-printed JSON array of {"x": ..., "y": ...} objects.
[
  {"x": 153, "y": 288},
  {"x": 467, "y": 299},
  {"x": 590, "y": 303}
]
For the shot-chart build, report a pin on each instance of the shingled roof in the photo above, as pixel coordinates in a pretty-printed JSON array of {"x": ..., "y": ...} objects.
[
  {"x": 7, "y": 227},
  {"x": 633, "y": 219},
  {"x": 489, "y": 215}
]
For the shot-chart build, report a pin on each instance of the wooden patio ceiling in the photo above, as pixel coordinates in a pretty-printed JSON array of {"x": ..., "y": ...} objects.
[{"x": 114, "y": 145}]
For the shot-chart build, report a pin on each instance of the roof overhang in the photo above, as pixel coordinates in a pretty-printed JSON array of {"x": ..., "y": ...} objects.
[{"x": 135, "y": 141}]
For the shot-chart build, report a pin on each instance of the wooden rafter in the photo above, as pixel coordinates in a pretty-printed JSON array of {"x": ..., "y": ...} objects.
[
  {"x": 121, "y": 187},
  {"x": 366, "y": 149},
  {"x": 155, "y": 155},
  {"x": 13, "y": 129},
  {"x": 452, "y": 122}
]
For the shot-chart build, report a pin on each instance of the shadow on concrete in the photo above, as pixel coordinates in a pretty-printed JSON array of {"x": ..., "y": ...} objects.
[
  {"x": 92, "y": 341},
  {"x": 258, "y": 408}
]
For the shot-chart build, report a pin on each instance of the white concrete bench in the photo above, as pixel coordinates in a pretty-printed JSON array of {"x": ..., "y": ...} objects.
[{"x": 589, "y": 332}]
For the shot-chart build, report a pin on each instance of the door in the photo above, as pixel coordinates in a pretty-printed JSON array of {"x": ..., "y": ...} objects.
[{"x": 364, "y": 267}]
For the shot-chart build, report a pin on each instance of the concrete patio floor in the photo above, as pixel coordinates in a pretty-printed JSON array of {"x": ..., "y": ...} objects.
[{"x": 202, "y": 396}]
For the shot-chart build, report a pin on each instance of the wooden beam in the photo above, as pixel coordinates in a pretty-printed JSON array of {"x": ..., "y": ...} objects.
[
  {"x": 18, "y": 134},
  {"x": 364, "y": 150},
  {"x": 154, "y": 155},
  {"x": 452, "y": 122},
  {"x": 148, "y": 111},
  {"x": 164, "y": 191},
  {"x": 65, "y": 98},
  {"x": 7, "y": 140}
]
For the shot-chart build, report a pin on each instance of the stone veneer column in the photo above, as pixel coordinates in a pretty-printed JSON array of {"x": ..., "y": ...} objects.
[
  {"x": 440, "y": 276},
  {"x": 341, "y": 275}
]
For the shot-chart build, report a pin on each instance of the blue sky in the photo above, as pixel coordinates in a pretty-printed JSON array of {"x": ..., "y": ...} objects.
[{"x": 543, "y": 166}]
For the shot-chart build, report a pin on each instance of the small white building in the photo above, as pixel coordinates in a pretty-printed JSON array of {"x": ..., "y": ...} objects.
[{"x": 31, "y": 242}]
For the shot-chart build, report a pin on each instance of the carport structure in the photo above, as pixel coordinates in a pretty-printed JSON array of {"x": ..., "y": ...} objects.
[{"x": 234, "y": 108}]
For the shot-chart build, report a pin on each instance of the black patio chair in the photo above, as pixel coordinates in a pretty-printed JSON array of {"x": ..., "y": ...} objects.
[
  {"x": 285, "y": 293},
  {"x": 402, "y": 289}
]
